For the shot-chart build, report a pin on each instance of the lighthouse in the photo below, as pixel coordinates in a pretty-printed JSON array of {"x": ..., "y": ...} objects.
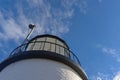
[{"x": 44, "y": 57}]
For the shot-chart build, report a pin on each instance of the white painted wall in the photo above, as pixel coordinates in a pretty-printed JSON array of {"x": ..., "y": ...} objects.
[{"x": 38, "y": 69}]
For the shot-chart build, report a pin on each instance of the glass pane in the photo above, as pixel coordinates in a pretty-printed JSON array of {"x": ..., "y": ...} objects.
[
  {"x": 62, "y": 50},
  {"x": 36, "y": 46},
  {"x": 47, "y": 46},
  {"x": 65, "y": 46},
  {"x": 30, "y": 46},
  {"x": 53, "y": 47},
  {"x": 67, "y": 53},
  {"x": 42, "y": 46},
  {"x": 50, "y": 40},
  {"x": 41, "y": 39},
  {"x": 60, "y": 43},
  {"x": 57, "y": 49}
]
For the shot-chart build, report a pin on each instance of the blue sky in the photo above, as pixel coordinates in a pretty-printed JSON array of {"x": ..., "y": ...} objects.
[{"x": 90, "y": 27}]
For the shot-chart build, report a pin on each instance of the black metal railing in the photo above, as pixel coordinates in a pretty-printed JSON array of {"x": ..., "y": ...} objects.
[{"x": 67, "y": 52}]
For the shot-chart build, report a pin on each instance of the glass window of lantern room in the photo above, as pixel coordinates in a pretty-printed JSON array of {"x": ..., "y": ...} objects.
[
  {"x": 66, "y": 52},
  {"x": 51, "y": 44},
  {"x": 57, "y": 49},
  {"x": 47, "y": 46},
  {"x": 60, "y": 43},
  {"x": 30, "y": 45},
  {"x": 40, "y": 41},
  {"x": 49, "y": 39},
  {"x": 35, "y": 47},
  {"x": 60, "y": 47},
  {"x": 41, "y": 38},
  {"x": 61, "y": 50}
]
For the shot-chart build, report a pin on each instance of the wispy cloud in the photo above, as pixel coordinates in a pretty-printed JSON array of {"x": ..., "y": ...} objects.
[
  {"x": 115, "y": 53},
  {"x": 111, "y": 51},
  {"x": 46, "y": 14},
  {"x": 107, "y": 76},
  {"x": 117, "y": 76},
  {"x": 11, "y": 30},
  {"x": 50, "y": 16},
  {"x": 101, "y": 76}
]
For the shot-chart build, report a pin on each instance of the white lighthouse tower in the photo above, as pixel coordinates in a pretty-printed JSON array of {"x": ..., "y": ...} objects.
[{"x": 44, "y": 57}]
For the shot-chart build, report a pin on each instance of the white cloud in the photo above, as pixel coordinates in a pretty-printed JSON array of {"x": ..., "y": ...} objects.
[
  {"x": 81, "y": 4},
  {"x": 115, "y": 53},
  {"x": 117, "y": 76},
  {"x": 47, "y": 18},
  {"x": 101, "y": 76},
  {"x": 11, "y": 30},
  {"x": 110, "y": 51},
  {"x": 45, "y": 14}
]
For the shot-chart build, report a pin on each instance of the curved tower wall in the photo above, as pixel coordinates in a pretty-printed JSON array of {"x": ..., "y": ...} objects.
[{"x": 38, "y": 69}]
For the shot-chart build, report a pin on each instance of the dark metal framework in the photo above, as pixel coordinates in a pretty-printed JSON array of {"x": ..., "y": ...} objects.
[
  {"x": 22, "y": 48},
  {"x": 67, "y": 52}
]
